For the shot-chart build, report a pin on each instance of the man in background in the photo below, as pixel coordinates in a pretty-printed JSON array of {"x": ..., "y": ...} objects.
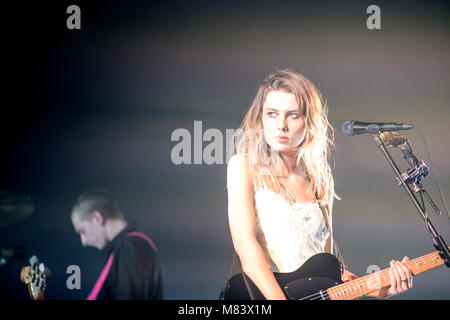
[{"x": 132, "y": 270}]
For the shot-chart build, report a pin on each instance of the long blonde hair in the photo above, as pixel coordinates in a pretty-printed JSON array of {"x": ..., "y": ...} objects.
[{"x": 266, "y": 165}]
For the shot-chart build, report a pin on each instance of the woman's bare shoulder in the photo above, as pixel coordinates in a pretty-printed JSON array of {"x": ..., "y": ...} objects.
[
  {"x": 238, "y": 170},
  {"x": 237, "y": 161}
]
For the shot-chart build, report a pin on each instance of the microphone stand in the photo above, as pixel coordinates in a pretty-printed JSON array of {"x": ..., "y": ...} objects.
[{"x": 438, "y": 241}]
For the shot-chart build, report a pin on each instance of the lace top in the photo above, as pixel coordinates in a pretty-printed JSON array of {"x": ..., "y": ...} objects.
[{"x": 289, "y": 233}]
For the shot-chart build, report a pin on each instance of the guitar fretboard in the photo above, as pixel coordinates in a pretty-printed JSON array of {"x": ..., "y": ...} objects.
[{"x": 365, "y": 285}]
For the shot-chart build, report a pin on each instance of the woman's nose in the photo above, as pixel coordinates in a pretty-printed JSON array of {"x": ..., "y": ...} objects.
[{"x": 282, "y": 124}]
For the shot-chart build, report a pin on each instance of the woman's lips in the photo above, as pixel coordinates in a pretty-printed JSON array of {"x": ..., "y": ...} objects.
[{"x": 281, "y": 139}]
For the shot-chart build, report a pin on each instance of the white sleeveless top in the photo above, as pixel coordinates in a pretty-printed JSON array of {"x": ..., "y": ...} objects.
[{"x": 289, "y": 233}]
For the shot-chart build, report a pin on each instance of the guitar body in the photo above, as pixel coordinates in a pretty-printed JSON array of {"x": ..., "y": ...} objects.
[
  {"x": 320, "y": 278},
  {"x": 317, "y": 274}
]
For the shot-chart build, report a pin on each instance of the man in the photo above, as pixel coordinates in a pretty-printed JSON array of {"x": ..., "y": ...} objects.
[{"x": 132, "y": 270}]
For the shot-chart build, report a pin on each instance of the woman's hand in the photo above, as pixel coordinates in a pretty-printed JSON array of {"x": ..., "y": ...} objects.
[{"x": 400, "y": 276}]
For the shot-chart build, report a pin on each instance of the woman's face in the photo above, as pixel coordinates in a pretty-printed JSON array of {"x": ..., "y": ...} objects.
[{"x": 284, "y": 125}]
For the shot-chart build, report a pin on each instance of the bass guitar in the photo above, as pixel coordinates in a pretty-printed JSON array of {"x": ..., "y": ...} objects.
[
  {"x": 35, "y": 277},
  {"x": 319, "y": 278}
]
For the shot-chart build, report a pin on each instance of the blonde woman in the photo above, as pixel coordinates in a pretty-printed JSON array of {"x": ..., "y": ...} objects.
[{"x": 276, "y": 180}]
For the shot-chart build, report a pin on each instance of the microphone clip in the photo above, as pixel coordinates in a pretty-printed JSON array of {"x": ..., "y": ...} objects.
[
  {"x": 414, "y": 175},
  {"x": 418, "y": 169}
]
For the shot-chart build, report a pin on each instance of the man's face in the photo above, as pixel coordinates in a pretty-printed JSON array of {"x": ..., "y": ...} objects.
[{"x": 92, "y": 231}]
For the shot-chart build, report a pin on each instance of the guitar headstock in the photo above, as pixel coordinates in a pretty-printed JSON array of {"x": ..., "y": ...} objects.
[{"x": 35, "y": 276}]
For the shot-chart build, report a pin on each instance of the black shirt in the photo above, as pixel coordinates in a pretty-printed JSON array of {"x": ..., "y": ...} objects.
[{"x": 135, "y": 273}]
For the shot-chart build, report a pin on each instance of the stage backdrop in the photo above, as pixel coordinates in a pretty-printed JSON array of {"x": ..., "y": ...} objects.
[{"x": 98, "y": 107}]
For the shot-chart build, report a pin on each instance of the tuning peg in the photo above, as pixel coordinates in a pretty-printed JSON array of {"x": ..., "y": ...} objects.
[{"x": 33, "y": 260}]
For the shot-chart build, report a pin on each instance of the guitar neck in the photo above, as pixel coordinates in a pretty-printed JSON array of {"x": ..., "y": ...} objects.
[{"x": 365, "y": 285}]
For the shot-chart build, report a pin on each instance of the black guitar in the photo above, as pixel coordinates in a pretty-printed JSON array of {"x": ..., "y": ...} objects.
[{"x": 319, "y": 278}]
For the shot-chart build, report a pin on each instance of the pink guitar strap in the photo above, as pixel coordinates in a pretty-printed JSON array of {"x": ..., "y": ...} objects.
[{"x": 101, "y": 279}]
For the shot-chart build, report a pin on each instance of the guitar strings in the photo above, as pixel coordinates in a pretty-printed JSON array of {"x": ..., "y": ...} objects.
[{"x": 316, "y": 296}]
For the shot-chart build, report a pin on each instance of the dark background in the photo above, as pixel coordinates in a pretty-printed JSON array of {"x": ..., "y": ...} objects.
[{"x": 96, "y": 107}]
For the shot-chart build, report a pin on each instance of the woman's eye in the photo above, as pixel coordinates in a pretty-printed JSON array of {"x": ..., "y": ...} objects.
[
  {"x": 294, "y": 115},
  {"x": 271, "y": 114}
]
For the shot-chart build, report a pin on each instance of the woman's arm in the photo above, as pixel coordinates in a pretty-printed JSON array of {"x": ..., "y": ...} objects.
[{"x": 241, "y": 218}]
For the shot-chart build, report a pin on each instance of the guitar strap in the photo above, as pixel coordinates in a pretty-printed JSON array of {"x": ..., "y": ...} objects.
[
  {"x": 102, "y": 278},
  {"x": 236, "y": 268},
  {"x": 335, "y": 248}
]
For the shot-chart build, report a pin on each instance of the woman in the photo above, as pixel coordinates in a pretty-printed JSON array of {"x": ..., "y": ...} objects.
[{"x": 276, "y": 180}]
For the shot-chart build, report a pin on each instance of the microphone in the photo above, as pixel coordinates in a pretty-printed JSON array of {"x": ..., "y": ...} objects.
[{"x": 351, "y": 128}]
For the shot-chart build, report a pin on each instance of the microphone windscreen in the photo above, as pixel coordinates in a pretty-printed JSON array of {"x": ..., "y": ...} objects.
[{"x": 347, "y": 127}]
